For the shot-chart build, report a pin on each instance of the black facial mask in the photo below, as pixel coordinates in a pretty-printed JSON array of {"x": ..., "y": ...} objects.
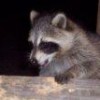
[{"x": 48, "y": 47}]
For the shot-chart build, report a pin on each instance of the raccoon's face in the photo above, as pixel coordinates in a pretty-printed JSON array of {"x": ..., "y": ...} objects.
[
  {"x": 48, "y": 38},
  {"x": 45, "y": 52}
]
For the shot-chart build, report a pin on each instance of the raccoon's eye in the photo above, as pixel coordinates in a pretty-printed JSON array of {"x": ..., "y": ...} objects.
[{"x": 48, "y": 47}]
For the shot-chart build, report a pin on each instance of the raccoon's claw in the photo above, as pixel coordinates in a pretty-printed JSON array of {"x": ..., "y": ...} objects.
[{"x": 62, "y": 79}]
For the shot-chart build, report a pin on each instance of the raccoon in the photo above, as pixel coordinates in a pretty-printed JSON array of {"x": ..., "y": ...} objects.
[{"x": 62, "y": 48}]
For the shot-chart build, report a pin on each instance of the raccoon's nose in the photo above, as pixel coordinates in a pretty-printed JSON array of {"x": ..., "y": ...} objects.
[{"x": 34, "y": 61}]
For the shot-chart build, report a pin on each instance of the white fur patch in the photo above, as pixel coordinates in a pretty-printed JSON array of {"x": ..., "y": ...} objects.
[
  {"x": 49, "y": 39},
  {"x": 42, "y": 57},
  {"x": 39, "y": 39}
]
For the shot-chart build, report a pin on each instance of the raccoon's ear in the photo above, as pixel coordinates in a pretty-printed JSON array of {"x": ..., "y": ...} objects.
[
  {"x": 33, "y": 14},
  {"x": 60, "y": 20}
]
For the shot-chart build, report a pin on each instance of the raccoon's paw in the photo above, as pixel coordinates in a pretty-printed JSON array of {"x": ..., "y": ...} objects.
[{"x": 63, "y": 79}]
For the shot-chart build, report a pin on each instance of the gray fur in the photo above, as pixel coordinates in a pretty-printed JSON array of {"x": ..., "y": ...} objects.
[{"x": 79, "y": 59}]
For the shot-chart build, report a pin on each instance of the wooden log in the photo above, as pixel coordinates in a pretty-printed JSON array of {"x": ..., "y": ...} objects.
[
  {"x": 45, "y": 88},
  {"x": 98, "y": 18}
]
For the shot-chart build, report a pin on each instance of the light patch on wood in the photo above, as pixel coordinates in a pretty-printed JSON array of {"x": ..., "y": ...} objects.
[
  {"x": 2, "y": 92},
  {"x": 71, "y": 90},
  {"x": 52, "y": 87}
]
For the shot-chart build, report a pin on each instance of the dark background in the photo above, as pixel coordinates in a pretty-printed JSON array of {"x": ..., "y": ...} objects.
[{"x": 15, "y": 25}]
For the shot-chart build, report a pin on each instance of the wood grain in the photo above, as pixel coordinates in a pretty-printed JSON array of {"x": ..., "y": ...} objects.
[{"x": 45, "y": 88}]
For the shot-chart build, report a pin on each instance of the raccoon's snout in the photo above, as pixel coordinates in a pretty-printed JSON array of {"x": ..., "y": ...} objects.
[{"x": 34, "y": 61}]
